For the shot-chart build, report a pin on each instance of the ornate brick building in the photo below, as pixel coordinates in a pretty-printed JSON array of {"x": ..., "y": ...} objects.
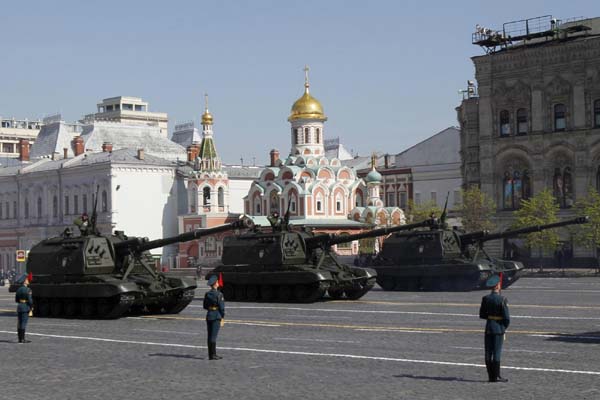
[{"x": 535, "y": 122}]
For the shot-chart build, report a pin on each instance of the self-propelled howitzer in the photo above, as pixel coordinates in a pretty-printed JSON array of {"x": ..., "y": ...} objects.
[
  {"x": 448, "y": 260},
  {"x": 98, "y": 276},
  {"x": 293, "y": 266}
]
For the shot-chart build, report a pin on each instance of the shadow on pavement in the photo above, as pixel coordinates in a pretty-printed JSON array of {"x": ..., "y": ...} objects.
[
  {"x": 176, "y": 356},
  {"x": 585, "y": 337},
  {"x": 438, "y": 378},
  {"x": 8, "y": 341}
]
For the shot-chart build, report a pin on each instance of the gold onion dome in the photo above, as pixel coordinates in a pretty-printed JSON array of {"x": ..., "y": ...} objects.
[
  {"x": 207, "y": 118},
  {"x": 307, "y": 107}
]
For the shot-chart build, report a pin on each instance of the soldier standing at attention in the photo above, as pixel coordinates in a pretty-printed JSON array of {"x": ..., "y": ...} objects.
[
  {"x": 214, "y": 304},
  {"x": 24, "y": 306},
  {"x": 494, "y": 309}
]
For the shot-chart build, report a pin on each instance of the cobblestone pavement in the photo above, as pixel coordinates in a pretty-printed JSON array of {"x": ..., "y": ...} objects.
[{"x": 387, "y": 345}]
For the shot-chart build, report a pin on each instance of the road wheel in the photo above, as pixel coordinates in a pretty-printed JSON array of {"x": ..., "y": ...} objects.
[
  {"x": 88, "y": 308},
  {"x": 71, "y": 308},
  {"x": 252, "y": 292},
  {"x": 229, "y": 292},
  {"x": 267, "y": 293},
  {"x": 335, "y": 293},
  {"x": 387, "y": 283},
  {"x": 56, "y": 308},
  {"x": 43, "y": 308},
  {"x": 240, "y": 292},
  {"x": 284, "y": 293}
]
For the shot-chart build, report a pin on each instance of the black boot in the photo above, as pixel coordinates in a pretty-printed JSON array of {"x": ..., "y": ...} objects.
[
  {"x": 498, "y": 377},
  {"x": 216, "y": 357},
  {"x": 490, "y": 371},
  {"x": 23, "y": 335},
  {"x": 210, "y": 351},
  {"x": 20, "y": 334}
]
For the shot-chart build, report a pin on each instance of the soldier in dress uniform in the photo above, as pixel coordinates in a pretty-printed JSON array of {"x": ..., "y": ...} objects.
[
  {"x": 214, "y": 304},
  {"x": 494, "y": 309},
  {"x": 24, "y": 306}
]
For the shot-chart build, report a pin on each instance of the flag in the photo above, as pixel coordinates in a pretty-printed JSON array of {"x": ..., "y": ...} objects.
[
  {"x": 220, "y": 279},
  {"x": 500, "y": 280}
]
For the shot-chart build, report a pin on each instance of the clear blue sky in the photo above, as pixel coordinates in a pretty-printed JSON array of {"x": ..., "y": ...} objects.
[{"x": 386, "y": 72}]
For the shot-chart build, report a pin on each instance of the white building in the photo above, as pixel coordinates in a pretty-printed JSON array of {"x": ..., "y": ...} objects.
[{"x": 40, "y": 199}]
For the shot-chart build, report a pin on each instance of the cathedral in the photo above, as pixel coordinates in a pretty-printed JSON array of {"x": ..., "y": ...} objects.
[{"x": 318, "y": 192}]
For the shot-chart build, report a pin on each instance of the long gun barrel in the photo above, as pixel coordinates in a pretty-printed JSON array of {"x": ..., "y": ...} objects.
[
  {"x": 484, "y": 236},
  {"x": 141, "y": 244},
  {"x": 326, "y": 240}
]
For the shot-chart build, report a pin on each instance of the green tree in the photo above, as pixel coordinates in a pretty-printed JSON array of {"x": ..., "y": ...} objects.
[
  {"x": 420, "y": 212},
  {"x": 538, "y": 210},
  {"x": 476, "y": 210},
  {"x": 588, "y": 235}
]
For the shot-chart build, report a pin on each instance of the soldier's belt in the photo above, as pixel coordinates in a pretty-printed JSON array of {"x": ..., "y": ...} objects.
[
  {"x": 213, "y": 308},
  {"x": 22, "y": 301},
  {"x": 495, "y": 318}
]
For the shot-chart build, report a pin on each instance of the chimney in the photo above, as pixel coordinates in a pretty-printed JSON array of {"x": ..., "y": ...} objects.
[
  {"x": 274, "y": 156},
  {"x": 23, "y": 149},
  {"x": 107, "y": 147},
  {"x": 386, "y": 161},
  {"x": 78, "y": 145},
  {"x": 140, "y": 154},
  {"x": 65, "y": 153},
  {"x": 192, "y": 151}
]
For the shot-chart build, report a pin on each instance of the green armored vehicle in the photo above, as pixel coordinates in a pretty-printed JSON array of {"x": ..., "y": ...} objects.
[
  {"x": 98, "y": 276},
  {"x": 289, "y": 266},
  {"x": 442, "y": 259}
]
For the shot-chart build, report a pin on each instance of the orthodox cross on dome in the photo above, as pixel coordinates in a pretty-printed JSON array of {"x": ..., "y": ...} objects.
[
  {"x": 373, "y": 160},
  {"x": 306, "y": 69},
  {"x": 206, "y": 102}
]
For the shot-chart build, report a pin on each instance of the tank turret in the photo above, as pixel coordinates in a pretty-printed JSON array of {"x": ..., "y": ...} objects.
[
  {"x": 96, "y": 275},
  {"x": 446, "y": 259},
  {"x": 293, "y": 266}
]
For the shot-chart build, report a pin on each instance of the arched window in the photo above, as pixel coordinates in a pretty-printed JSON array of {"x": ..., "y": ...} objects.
[
  {"x": 515, "y": 187},
  {"x": 67, "y": 210},
  {"x": 597, "y": 113},
  {"x": 221, "y": 197},
  {"x": 359, "y": 199},
  {"x": 76, "y": 204},
  {"x": 292, "y": 201},
  {"x": 273, "y": 202},
  {"x": 39, "y": 207},
  {"x": 522, "y": 125},
  {"x": 54, "y": 206},
  {"x": 257, "y": 207},
  {"x": 504, "y": 123},
  {"x": 294, "y": 136},
  {"x": 338, "y": 203},
  {"x": 206, "y": 196},
  {"x": 318, "y": 130},
  {"x": 560, "y": 122},
  {"x": 319, "y": 205},
  {"x": 562, "y": 183},
  {"x": 85, "y": 203},
  {"x": 306, "y": 139},
  {"x": 26, "y": 208},
  {"x": 104, "y": 201}
]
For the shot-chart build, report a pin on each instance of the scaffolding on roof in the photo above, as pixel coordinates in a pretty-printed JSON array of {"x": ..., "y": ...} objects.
[{"x": 524, "y": 30}]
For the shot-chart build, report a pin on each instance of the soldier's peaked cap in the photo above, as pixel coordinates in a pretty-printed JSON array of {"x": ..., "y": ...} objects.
[
  {"x": 212, "y": 280},
  {"x": 21, "y": 279},
  {"x": 492, "y": 281}
]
